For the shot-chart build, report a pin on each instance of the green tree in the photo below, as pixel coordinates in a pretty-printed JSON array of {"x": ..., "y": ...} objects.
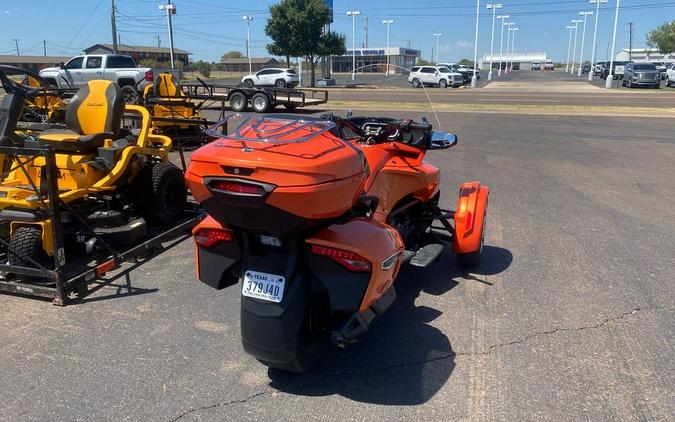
[
  {"x": 203, "y": 67},
  {"x": 296, "y": 29},
  {"x": 466, "y": 62},
  {"x": 231, "y": 55},
  {"x": 151, "y": 63},
  {"x": 663, "y": 38},
  {"x": 421, "y": 62}
]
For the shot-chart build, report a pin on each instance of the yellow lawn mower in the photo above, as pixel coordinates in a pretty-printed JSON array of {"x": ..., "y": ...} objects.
[{"x": 84, "y": 188}]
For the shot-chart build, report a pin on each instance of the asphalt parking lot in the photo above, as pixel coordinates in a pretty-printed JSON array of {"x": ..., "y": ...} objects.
[{"x": 569, "y": 318}]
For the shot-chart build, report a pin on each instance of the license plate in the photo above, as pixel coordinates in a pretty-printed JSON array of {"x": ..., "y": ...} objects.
[{"x": 263, "y": 286}]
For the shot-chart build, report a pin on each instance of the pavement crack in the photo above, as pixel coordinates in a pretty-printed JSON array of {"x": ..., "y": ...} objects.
[
  {"x": 313, "y": 380},
  {"x": 601, "y": 324},
  {"x": 221, "y": 404}
]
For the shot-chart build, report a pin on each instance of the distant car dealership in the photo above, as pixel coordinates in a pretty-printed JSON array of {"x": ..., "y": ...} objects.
[
  {"x": 523, "y": 61},
  {"x": 374, "y": 60}
]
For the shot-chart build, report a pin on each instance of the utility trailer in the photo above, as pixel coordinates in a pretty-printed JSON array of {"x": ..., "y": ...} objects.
[
  {"x": 261, "y": 100},
  {"x": 72, "y": 276}
]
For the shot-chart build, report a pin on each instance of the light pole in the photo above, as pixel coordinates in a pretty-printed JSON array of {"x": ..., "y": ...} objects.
[
  {"x": 508, "y": 26},
  {"x": 353, "y": 14},
  {"x": 513, "y": 47},
  {"x": 610, "y": 76},
  {"x": 595, "y": 34},
  {"x": 574, "y": 53},
  {"x": 502, "y": 18},
  {"x": 569, "y": 49},
  {"x": 474, "y": 79},
  {"x": 170, "y": 10},
  {"x": 248, "y": 20},
  {"x": 387, "y": 22},
  {"x": 438, "y": 37},
  {"x": 583, "y": 41},
  {"x": 494, "y": 8}
]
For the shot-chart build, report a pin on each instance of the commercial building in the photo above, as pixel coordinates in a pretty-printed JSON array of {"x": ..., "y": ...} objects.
[
  {"x": 523, "y": 60},
  {"x": 140, "y": 52},
  {"x": 644, "y": 55},
  {"x": 374, "y": 60},
  {"x": 33, "y": 63},
  {"x": 241, "y": 64}
]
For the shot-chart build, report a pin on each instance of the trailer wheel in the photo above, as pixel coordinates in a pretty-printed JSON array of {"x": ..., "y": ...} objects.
[
  {"x": 238, "y": 102},
  {"x": 159, "y": 193},
  {"x": 260, "y": 102},
  {"x": 26, "y": 242}
]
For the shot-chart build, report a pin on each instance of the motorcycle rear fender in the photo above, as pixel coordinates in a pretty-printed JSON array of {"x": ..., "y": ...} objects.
[
  {"x": 471, "y": 208},
  {"x": 379, "y": 243},
  {"x": 216, "y": 266}
]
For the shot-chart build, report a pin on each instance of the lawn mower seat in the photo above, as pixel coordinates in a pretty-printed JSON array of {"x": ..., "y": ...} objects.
[
  {"x": 94, "y": 114},
  {"x": 164, "y": 86}
]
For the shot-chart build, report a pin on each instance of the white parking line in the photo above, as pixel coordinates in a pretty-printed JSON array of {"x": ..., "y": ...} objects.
[{"x": 520, "y": 100}]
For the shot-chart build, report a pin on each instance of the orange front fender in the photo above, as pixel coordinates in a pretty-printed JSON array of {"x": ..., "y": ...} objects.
[{"x": 470, "y": 217}]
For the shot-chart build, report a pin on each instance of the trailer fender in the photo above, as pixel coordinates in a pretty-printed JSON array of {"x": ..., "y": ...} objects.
[{"x": 470, "y": 217}]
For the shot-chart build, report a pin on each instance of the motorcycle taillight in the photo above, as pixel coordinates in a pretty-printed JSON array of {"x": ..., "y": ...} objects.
[
  {"x": 149, "y": 76},
  {"x": 349, "y": 260},
  {"x": 208, "y": 238}
]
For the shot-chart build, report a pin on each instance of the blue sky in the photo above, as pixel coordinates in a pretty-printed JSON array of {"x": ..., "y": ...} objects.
[{"x": 207, "y": 28}]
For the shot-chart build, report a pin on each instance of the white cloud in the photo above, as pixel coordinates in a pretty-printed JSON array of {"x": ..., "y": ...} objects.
[
  {"x": 463, "y": 44},
  {"x": 7, "y": 12}
]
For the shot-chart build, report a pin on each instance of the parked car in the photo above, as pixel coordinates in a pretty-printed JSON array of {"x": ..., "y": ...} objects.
[
  {"x": 535, "y": 66},
  {"x": 463, "y": 69},
  {"x": 670, "y": 75},
  {"x": 112, "y": 67},
  {"x": 515, "y": 66},
  {"x": 434, "y": 76},
  {"x": 273, "y": 76},
  {"x": 661, "y": 67},
  {"x": 618, "y": 70},
  {"x": 599, "y": 68},
  {"x": 585, "y": 69},
  {"x": 641, "y": 74},
  {"x": 549, "y": 66}
]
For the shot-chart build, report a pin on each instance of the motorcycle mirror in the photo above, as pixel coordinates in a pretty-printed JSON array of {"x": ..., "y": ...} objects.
[{"x": 442, "y": 140}]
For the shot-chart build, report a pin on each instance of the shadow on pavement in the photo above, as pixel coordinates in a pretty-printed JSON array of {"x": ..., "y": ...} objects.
[{"x": 389, "y": 366}]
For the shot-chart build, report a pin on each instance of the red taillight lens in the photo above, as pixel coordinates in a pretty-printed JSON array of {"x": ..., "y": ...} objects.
[
  {"x": 149, "y": 76},
  {"x": 208, "y": 238},
  {"x": 237, "y": 187},
  {"x": 349, "y": 260}
]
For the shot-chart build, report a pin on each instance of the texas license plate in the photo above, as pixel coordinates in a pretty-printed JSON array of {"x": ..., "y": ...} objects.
[{"x": 263, "y": 286}]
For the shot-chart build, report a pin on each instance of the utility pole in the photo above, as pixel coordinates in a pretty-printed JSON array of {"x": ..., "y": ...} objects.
[
  {"x": 595, "y": 34},
  {"x": 408, "y": 43},
  {"x": 44, "y": 47},
  {"x": 16, "y": 42},
  {"x": 583, "y": 41},
  {"x": 630, "y": 43},
  {"x": 170, "y": 10},
  {"x": 576, "y": 23},
  {"x": 114, "y": 27},
  {"x": 365, "y": 28},
  {"x": 569, "y": 48},
  {"x": 159, "y": 41}
]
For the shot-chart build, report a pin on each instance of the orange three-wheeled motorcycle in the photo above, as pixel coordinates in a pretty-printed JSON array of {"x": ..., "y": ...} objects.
[{"x": 316, "y": 217}]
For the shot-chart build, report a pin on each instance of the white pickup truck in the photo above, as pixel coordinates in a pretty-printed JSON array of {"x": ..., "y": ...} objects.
[{"x": 113, "y": 67}]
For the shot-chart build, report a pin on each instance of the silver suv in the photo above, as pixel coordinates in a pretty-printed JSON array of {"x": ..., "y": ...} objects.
[
  {"x": 434, "y": 76},
  {"x": 276, "y": 77}
]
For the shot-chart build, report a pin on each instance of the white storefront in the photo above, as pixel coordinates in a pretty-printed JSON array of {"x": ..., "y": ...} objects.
[
  {"x": 524, "y": 60},
  {"x": 644, "y": 55}
]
